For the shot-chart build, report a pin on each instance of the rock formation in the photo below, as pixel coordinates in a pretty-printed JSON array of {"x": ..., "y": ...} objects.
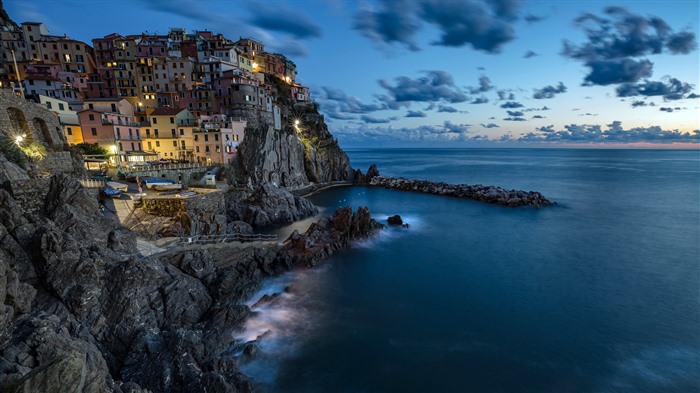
[
  {"x": 489, "y": 194},
  {"x": 363, "y": 179},
  {"x": 327, "y": 236},
  {"x": 267, "y": 205}
]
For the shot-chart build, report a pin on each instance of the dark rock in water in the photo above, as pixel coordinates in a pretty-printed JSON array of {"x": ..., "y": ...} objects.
[
  {"x": 489, "y": 194},
  {"x": 361, "y": 179},
  {"x": 265, "y": 299},
  {"x": 250, "y": 348},
  {"x": 372, "y": 172},
  {"x": 326, "y": 236},
  {"x": 395, "y": 220},
  {"x": 267, "y": 204}
]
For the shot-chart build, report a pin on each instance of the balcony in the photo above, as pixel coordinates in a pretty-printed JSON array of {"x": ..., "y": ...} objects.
[{"x": 187, "y": 123}]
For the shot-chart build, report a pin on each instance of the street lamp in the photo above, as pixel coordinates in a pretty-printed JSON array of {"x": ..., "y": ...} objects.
[{"x": 19, "y": 139}]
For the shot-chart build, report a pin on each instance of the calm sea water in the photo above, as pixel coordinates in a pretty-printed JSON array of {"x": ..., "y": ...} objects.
[{"x": 598, "y": 294}]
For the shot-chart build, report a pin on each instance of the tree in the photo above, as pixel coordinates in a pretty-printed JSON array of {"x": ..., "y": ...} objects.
[{"x": 91, "y": 149}]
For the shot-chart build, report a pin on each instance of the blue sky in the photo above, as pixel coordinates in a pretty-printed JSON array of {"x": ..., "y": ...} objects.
[{"x": 453, "y": 73}]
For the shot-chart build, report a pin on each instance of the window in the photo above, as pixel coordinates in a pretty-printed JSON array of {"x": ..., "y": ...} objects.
[
  {"x": 69, "y": 131},
  {"x": 172, "y": 120},
  {"x": 216, "y": 137},
  {"x": 206, "y": 138},
  {"x": 114, "y": 107},
  {"x": 196, "y": 138},
  {"x": 131, "y": 134},
  {"x": 182, "y": 132},
  {"x": 48, "y": 104},
  {"x": 61, "y": 106},
  {"x": 148, "y": 133},
  {"x": 119, "y": 134},
  {"x": 91, "y": 116},
  {"x": 132, "y": 146},
  {"x": 121, "y": 148},
  {"x": 94, "y": 131},
  {"x": 155, "y": 120},
  {"x": 206, "y": 148},
  {"x": 149, "y": 145},
  {"x": 218, "y": 149},
  {"x": 90, "y": 106},
  {"x": 174, "y": 143},
  {"x": 65, "y": 46},
  {"x": 173, "y": 133},
  {"x": 157, "y": 143},
  {"x": 197, "y": 149}
]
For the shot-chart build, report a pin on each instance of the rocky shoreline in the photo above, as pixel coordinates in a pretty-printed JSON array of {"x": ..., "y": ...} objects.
[{"x": 478, "y": 192}]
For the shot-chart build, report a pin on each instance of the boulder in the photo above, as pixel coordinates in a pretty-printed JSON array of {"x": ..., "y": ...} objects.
[{"x": 395, "y": 220}]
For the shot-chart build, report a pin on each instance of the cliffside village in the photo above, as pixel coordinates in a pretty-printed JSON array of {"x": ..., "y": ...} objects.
[{"x": 180, "y": 96}]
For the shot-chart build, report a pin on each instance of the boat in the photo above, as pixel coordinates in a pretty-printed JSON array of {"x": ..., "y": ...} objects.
[
  {"x": 111, "y": 192},
  {"x": 118, "y": 186},
  {"x": 151, "y": 182},
  {"x": 168, "y": 186}
]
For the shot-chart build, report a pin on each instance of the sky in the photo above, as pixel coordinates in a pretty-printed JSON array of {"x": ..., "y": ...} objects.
[{"x": 436, "y": 73}]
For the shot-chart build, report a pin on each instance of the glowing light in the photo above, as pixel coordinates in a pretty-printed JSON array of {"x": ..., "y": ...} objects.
[
  {"x": 114, "y": 148},
  {"x": 296, "y": 123},
  {"x": 19, "y": 139},
  {"x": 255, "y": 65}
]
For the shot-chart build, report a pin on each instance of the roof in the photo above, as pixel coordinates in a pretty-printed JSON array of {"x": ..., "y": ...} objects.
[
  {"x": 113, "y": 99},
  {"x": 166, "y": 111}
]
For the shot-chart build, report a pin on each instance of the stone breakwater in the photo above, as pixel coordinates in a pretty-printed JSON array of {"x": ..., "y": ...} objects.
[{"x": 478, "y": 192}]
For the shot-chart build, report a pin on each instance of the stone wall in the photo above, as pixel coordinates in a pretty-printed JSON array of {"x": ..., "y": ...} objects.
[
  {"x": 18, "y": 116},
  {"x": 210, "y": 202},
  {"x": 31, "y": 194},
  {"x": 56, "y": 162}
]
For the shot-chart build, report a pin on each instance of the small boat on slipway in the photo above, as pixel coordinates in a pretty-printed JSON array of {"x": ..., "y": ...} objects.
[
  {"x": 152, "y": 182},
  {"x": 168, "y": 187}
]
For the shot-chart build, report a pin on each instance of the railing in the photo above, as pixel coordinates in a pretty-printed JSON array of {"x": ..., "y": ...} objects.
[
  {"x": 89, "y": 183},
  {"x": 159, "y": 167},
  {"x": 228, "y": 238}
]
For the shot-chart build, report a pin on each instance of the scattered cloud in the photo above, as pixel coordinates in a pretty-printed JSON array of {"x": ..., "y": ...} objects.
[
  {"x": 416, "y": 114},
  {"x": 615, "y": 40},
  {"x": 515, "y": 119},
  {"x": 446, "y": 109},
  {"x": 484, "y": 85},
  {"x": 433, "y": 87},
  {"x": 374, "y": 120},
  {"x": 665, "y": 109},
  {"x": 538, "y": 117},
  {"x": 483, "y": 25},
  {"x": 341, "y": 102},
  {"x": 511, "y": 105},
  {"x": 529, "y": 18},
  {"x": 283, "y": 20},
  {"x": 505, "y": 95},
  {"x": 672, "y": 89},
  {"x": 490, "y": 125},
  {"x": 575, "y": 133},
  {"x": 515, "y": 113},
  {"x": 549, "y": 91},
  {"x": 530, "y": 54},
  {"x": 480, "y": 100}
]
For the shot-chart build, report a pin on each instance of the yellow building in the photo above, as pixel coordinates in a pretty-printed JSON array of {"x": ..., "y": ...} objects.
[{"x": 170, "y": 133}]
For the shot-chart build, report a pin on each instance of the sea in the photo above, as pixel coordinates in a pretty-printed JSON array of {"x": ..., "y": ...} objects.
[{"x": 600, "y": 293}]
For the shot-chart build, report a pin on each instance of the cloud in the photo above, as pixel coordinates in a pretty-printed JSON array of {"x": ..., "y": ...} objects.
[
  {"x": 393, "y": 22},
  {"x": 511, "y": 105},
  {"x": 480, "y": 100},
  {"x": 530, "y": 54},
  {"x": 445, "y": 132},
  {"x": 529, "y": 18},
  {"x": 549, "y": 91},
  {"x": 446, "y": 109},
  {"x": 504, "y": 95},
  {"x": 515, "y": 113},
  {"x": 189, "y": 9},
  {"x": 484, "y": 25},
  {"x": 607, "y": 72},
  {"x": 693, "y": 96},
  {"x": 538, "y": 117},
  {"x": 515, "y": 119},
  {"x": 484, "y": 85},
  {"x": 672, "y": 89},
  {"x": 615, "y": 40},
  {"x": 374, "y": 120},
  {"x": 665, "y": 109},
  {"x": 344, "y": 103},
  {"x": 416, "y": 114},
  {"x": 626, "y": 35},
  {"x": 284, "y": 20},
  {"x": 575, "y": 133},
  {"x": 490, "y": 125},
  {"x": 434, "y": 86}
]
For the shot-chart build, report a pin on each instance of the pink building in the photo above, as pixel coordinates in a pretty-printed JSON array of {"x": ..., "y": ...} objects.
[{"x": 118, "y": 134}]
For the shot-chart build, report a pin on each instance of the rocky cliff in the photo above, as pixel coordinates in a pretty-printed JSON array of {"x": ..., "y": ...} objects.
[{"x": 300, "y": 152}]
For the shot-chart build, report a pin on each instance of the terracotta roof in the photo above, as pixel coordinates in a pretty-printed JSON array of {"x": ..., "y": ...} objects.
[{"x": 166, "y": 111}]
